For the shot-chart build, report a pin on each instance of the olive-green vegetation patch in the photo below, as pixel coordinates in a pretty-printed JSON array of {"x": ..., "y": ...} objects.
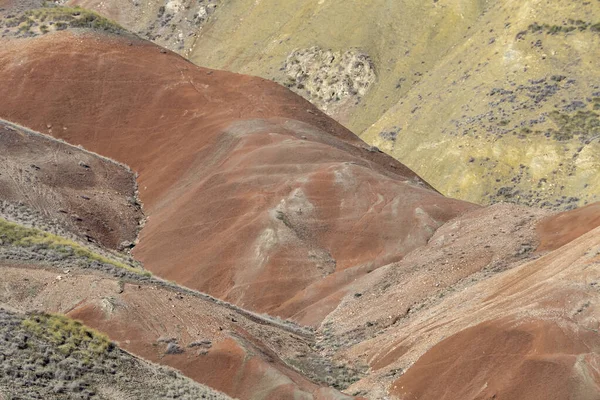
[
  {"x": 512, "y": 113},
  {"x": 566, "y": 27},
  {"x": 387, "y": 47},
  {"x": 70, "y": 337},
  {"x": 582, "y": 123},
  {"x": 19, "y": 236},
  {"x": 47, "y": 19}
]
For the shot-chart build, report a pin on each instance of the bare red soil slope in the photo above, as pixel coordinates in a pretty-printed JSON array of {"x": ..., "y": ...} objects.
[
  {"x": 558, "y": 230},
  {"x": 533, "y": 334},
  {"x": 508, "y": 359},
  {"x": 252, "y": 194},
  {"x": 530, "y": 332}
]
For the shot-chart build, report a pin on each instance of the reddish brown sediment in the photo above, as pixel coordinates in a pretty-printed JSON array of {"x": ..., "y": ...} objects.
[
  {"x": 251, "y": 193},
  {"x": 559, "y": 229},
  {"x": 232, "y": 353}
]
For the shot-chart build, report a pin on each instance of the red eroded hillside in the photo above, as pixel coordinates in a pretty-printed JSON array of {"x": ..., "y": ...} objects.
[
  {"x": 254, "y": 196},
  {"x": 251, "y": 193},
  {"x": 559, "y": 229}
]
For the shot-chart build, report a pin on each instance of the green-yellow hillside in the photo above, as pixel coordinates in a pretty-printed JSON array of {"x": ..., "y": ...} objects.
[
  {"x": 511, "y": 114},
  {"x": 403, "y": 38}
]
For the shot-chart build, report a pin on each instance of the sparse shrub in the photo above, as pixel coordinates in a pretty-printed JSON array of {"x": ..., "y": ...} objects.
[
  {"x": 41, "y": 370},
  {"x": 582, "y": 123}
]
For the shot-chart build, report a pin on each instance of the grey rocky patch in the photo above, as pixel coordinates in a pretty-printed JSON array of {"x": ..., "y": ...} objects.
[
  {"x": 177, "y": 23},
  {"x": 173, "y": 348},
  {"x": 202, "y": 343},
  {"x": 329, "y": 78}
]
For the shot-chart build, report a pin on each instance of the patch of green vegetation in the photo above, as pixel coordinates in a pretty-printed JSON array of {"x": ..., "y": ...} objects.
[
  {"x": 91, "y": 20},
  {"x": 61, "y": 18},
  {"x": 582, "y": 123},
  {"x": 71, "y": 337},
  {"x": 570, "y": 26},
  {"x": 20, "y": 236}
]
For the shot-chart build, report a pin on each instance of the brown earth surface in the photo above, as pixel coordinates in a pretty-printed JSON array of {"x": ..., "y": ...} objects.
[
  {"x": 508, "y": 359},
  {"x": 251, "y": 193},
  {"x": 91, "y": 197}
]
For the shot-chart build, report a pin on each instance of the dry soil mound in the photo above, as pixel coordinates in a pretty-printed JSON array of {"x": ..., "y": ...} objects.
[
  {"x": 253, "y": 195},
  {"x": 529, "y": 332}
]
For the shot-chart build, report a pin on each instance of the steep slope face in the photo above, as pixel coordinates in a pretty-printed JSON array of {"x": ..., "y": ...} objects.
[
  {"x": 252, "y": 194},
  {"x": 500, "y": 359},
  {"x": 512, "y": 113},
  {"x": 558, "y": 230},
  {"x": 488, "y": 100},
  {"x": 551, "y": 335},
  {"x": 353, "y": 61},
  {"x": 92, "y": 198}
]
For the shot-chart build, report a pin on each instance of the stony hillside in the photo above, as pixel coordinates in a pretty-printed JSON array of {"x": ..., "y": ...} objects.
[
  {"x": 144, "y": 315},
  {"x": 488, "y": 100},
  {"x": 512, "y": 114},
  {"x": 46, "y": 356},
  {"x": 173, "y": 24}
]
